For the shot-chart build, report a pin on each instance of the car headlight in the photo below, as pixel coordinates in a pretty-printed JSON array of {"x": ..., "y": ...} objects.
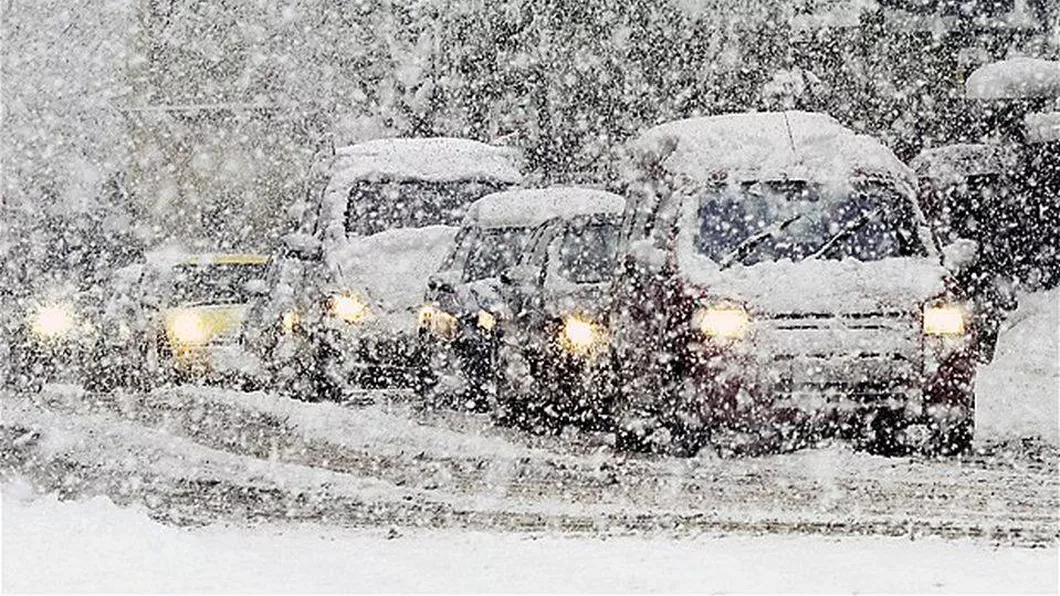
[
  {"x": 436, "y": 320},
  {"x": 730, "y": 322},
  {"x": 944, "y": 319},
  {"x": 579, "y": 335},
  {"x": 486, "y": 320},
  {"x": 188, "y": 328},
  {"x": 52, "y": 320},
  {"x": 290, "y": 321},
  {"x": 348, "y": 308}
]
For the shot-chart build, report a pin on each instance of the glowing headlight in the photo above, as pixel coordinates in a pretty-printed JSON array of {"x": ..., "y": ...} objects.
[
  {"x": 944, "y": 319},
  {"x": 436, "y": 320},
  {"x": 188, "y": 328},
  {"x": 290, "y": 320},
  {"x": 579, "y": 335},
  {"x": 349, "y": 308},
  {"x": 53, "y": 320},
  {"x": 486, "y": 320},
  {"x": 723, "y": 321}
]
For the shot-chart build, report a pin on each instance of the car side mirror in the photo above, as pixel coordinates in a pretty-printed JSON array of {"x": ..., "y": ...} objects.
[
  {"x": 303, "y": 247},
  {"x": 960, "y": 254}
]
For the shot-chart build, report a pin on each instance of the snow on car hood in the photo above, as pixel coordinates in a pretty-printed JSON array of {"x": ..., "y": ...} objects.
[
  {"x": 392, "y": 267},
  {"x": 820, "y": 286}
]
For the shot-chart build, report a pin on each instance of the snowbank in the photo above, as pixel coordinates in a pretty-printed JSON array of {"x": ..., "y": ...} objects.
[
  {"x": 1017, "y": 395},
  {"x": 93, "y": 546},
  {"x": 528, "y": 208},
  {"x": 1015, "y": 78}
]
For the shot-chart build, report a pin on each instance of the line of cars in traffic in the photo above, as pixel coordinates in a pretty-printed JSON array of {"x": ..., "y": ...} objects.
[{"x": 752, "y": 281}]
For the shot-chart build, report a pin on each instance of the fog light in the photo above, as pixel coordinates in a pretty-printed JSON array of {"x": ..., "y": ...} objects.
[{"x": 579, "y": 335}]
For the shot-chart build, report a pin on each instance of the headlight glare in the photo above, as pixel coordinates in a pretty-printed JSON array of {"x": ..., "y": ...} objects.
[
  {"x": 437, "y": 320},
  {"x": 348, "y": 308},
  {"x": 188, "y": 328},
  {"x": 943, "y": 319},
  {"x": 53, "y": 320},
  {"x": 486, "y": 320},
  {"x": 579, "y": 335},
  {"x": 728, "y": 322}
]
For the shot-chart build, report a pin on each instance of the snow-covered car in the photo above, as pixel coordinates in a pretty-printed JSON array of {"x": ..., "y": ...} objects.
[
  {"x": 191, "y": 315},
  {"x": 344, "y": 294},
  {"x": 466, "y": 298},
  {"x": 554, "y": 357},
  {"x": 777, "y": 275}
]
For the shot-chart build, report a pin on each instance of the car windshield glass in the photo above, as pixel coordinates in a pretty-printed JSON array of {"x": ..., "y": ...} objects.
[
  {"x": 494, "y": 251},
  {"x": 213, "y": 284},
  {"x": 587, "y": 253},
  {"x": 764, "y": 221},
  {"x": 378, "y": 206}
]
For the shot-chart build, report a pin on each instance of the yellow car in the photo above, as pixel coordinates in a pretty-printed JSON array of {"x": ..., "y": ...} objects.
[{"x": 201, "y": 304}]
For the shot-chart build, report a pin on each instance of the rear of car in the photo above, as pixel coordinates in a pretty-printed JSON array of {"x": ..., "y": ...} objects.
[
  {"x": 781, "y": 283},
  {"x": 345, "y": 294}
]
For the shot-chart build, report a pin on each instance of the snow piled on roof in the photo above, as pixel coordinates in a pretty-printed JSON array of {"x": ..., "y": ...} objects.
[
  {"x": 1042, "y": 127},
  {"x": 952, "y": 163},
  {"x": 768, "y": 145},
  {"x": 1015, "y": 78},
  {"x": 436, "y": 159},
  {"x": 1018, "y": 394},
  {"x": 531, "y": 207}
]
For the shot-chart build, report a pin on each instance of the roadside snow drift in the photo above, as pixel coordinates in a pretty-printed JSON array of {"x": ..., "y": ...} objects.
[
  {"x": 93, "y": 546},
  {"x": 1017, "y": 395}
]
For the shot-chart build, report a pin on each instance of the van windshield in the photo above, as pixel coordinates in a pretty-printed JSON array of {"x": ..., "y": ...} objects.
[
  {"x": 761, "y": 221},
  {"x": 493, "y": 251},
  {"x": 213, "y": 284},
  {"x": 377, "y": 206},
  {"x": 587, "y": 254}
]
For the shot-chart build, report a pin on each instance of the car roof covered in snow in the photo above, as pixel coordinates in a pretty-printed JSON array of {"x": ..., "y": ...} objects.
[
  {"x": 952, "y": 163},
  {"x": 1042, "y": 127},
  {"x": 770, "y": 145},
  {"x": 1015, "y": 78},
  {"x": 436, "y": 159},
  {"x": 531, "y": 207}
]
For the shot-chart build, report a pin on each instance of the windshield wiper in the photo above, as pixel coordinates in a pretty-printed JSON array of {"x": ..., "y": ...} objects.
[
  {"x": 748, "y": 244},
  {"x": 847, "y": 231}
]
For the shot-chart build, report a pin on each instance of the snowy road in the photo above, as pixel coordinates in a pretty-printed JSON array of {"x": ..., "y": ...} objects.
[{"x": 197, "y": 456}]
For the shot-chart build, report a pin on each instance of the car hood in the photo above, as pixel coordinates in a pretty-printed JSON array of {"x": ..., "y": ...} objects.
[
  {"x": 391, "y": 269},
  {"x": 820, "y": 286}
]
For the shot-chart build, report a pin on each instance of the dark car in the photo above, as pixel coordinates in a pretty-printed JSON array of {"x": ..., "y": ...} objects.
[
  {"x": 779, "y": 280},
  {"x": 471, "y": 302}
]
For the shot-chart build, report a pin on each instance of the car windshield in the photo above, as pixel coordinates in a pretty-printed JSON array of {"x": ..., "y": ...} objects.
[
  {"x": 587, "y": 253},
  {"x": 493, "y": 251},
  {"x": 378, "y": 206},
  {"x": 763, "y": 221},
  {"x": 214, "y": 284}
]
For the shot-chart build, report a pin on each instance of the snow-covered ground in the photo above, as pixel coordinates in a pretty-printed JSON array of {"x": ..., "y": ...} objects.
[
  {"x": 1018, "y": 394},
  {"x": 104, "y": 548}
]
